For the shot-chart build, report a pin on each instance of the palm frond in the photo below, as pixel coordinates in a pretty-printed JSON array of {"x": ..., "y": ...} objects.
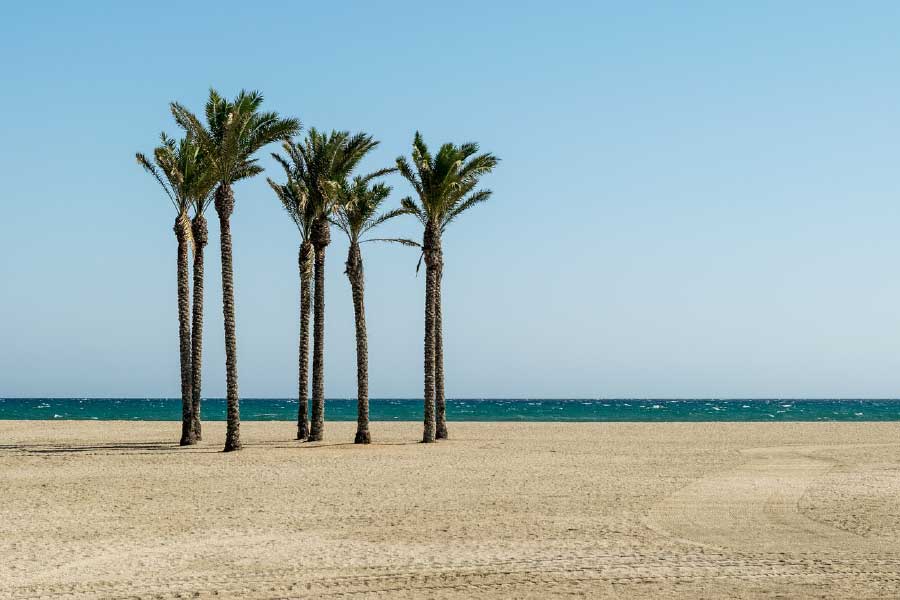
[
  {"x": 382, "y": 218},
  {"x": 412, "y": 208},
  {"x": 150, "y": 168},
  {"x": 476, "y": 198},
  {"x": 192, "y": 125},
  {"x": 269, "y": 128},
  {"x": 478, "y": 166},
  {"x": 402, "y": 241},
  {"x": 283, "y": 162},
  {"x": 376, "y": 174},
  {"x": 284, "y": 196},
  {"x": 246, "y": 171}
]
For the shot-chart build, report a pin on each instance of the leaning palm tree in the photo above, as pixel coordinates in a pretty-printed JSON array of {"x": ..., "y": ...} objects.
[
  {"x": 234, "y": 131},
  {"x": 182, "y": 171},
  {"x": 445, "y": 185},
  {"x": 320, "y": 162},
  {"x": 295, "y": 199},
  {"x": 358, "y": 215}
]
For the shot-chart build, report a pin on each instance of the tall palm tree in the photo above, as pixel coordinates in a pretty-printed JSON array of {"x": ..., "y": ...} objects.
[
  {"x": 182, "y": 171},
  {"x": 321, "y": 162},
  {"x": 234, "y": 131},
  {"x": 445, "y": 186},
  {"x": 200, "y": 232},
  {"x": 295, "y": 199},
  {"x": 358, "y": 215}
]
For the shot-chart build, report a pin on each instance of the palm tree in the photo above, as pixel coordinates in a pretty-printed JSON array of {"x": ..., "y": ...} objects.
[
  {"x": 320, "y": 162},
  {"x": 233, "y": 132},
  {"x": 295, "y": 199},
  {"x": 445, "y": 185},
  {"x": 357, "y": 215},
  {"x": 200, "y": 232},
  {"x": 182, "y": 171}
]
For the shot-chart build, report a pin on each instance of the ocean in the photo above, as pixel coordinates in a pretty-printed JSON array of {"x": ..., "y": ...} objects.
[{"x": 386, "y": 409}]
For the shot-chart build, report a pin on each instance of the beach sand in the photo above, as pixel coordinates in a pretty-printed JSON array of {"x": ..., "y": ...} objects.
[{"x": 503, "y": 510}]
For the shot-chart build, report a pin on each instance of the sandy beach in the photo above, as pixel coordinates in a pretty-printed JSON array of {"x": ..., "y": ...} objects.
[{"x": 534, "y": 510}]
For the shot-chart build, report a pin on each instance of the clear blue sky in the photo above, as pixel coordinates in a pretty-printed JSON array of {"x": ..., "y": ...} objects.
[{"x": 695, "y": 199}]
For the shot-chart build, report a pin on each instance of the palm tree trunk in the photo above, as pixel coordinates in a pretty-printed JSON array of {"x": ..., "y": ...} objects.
[
  {"x": 303, "y": 395},
  {"x": 184, "y": 329},
  {"x": 320, "y": 239},
  {"x": 224, "y": 208},
  {"x": 430, "y": 274},
  {"x": 440, "y": 404},
  {"x": 201, "y": 237},
  {"x": 357, "y": 284}
]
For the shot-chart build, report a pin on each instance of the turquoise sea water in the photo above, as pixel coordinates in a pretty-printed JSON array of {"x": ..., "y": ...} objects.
[{"x": 263, "y": 409}]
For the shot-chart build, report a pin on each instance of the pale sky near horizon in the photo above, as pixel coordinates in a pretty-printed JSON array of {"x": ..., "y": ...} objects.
[{"x": 696, "y": 199}]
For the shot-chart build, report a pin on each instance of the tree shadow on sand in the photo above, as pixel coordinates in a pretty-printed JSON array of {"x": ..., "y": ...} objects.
[
  {"x": 304, "y": 445},
  {"x": 115, "y": 448},
  {"x": 121, "y": 448}
]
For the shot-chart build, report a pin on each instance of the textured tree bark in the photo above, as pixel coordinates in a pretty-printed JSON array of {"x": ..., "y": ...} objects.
[
  {"x": 321, "y": 237},
  {"x": 303, "y": 395},
  {"x": 201, "y": 238},
  {"x": 224, "y": 208},
  {"x": 440, "y": 404},
  {"x": 357, "y": 284},
  {"x": 184, "y": 331},
  {"x": 428, "y": 247}
]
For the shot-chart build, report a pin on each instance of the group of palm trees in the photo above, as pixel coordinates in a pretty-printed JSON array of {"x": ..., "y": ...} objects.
[{"x": 320, "y": 189}]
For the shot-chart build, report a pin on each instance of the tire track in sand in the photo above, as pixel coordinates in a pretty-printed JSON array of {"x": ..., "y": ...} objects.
[{"x": 754, "y": 508}]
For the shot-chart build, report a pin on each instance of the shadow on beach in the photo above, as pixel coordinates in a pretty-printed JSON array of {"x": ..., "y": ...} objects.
[{"x": 174, "y": 448}]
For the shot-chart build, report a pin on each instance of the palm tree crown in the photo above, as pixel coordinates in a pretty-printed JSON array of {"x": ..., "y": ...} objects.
[
  {"x": 296, "y": 202},
  {"x": 445, "y": 184},
  {"x": 234, "y": 131},
  {"x": 321, "y": 162},
  {"x": 358, "y": 207},
  {"x": 182, "y": 170}
]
